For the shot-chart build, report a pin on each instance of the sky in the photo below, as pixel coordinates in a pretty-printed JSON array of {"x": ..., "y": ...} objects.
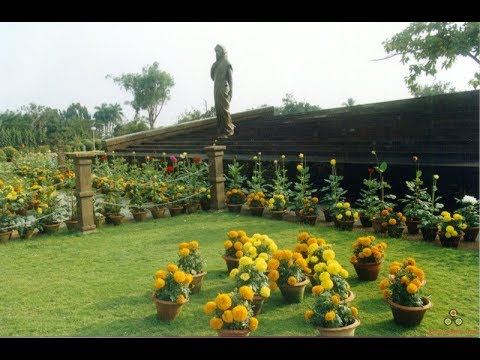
[{"x": 56, "y": 64}]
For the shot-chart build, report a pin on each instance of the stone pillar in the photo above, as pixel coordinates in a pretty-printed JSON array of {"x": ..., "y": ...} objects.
[
  {"x": 83, "y": 189},
  {"x": 61, "y": 158},
  {"x": 217, "y": 180}
]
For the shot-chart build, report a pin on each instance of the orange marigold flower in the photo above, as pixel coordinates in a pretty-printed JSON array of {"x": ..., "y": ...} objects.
[
  {"x": 292, "y": 280},
  {"x": 216, "y": 323},
  {"x": 411, "y": 288},
  {"x": 253, "y": 324},
  {"x": 308, "y": 314}
]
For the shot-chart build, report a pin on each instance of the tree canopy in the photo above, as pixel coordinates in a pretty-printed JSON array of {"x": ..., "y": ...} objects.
[
  {"x": 150, "y": 89},
  {"x": 434, "y": 89},
  {"x": 427, "y": 45},
  {"x": 195, "y": 114},
  {"x": 292, "y": 106}
]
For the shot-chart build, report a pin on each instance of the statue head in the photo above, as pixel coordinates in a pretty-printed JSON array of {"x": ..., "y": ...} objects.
[{"x": 220, "y": 51}]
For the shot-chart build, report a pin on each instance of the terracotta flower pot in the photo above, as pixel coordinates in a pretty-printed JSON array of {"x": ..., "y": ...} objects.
[
  {"x": 158, "y": 212},
  {"x": 294, "y": 293},
  {"x": 233, "y": 333},
  {"x": 345, "y": 225},
  {"x": 116, "y": 219},
  {"x": 192, "y": 208},
  {"x": 412, "y": 226},
  {"x": 167, "y": 310},
  {"x": 408, "y": 315},
  {"x": 28, "y": 234},
  {"x": 71, "y": 224},
  {"x": 430, "y": 233},
  {"x": 328, "y": 216},
  {"x": 471, "y": 233},
  {"x": 5, "y": 236},
  {"x": 310, "y": 219},
  {"x": 451, "y": 241},
  {"x": 232, "y": 263},
  {"x": 196, "y": 283},
  {"x": 139, "y": 216},
  {"x": 205, "y": 205},
  {"x": 175, "y": 210},
  {"x": 366, "y": 221},
  {"x": 348, "y": 330},
  {"x": 377, "y": 226},
  {"x": 99, "y": 221},
  {"x": 367, "y": 271},
  {"x": 257, "y": 304},
  {"x": 51, "y": 228},
  {"x": 235, "y": 208},
  {"x": 278, "y": 215},
  {"x": 257, "y": 210}
]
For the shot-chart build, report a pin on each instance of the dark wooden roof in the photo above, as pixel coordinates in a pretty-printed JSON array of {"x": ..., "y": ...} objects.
[{"x": 442, "y": 129}]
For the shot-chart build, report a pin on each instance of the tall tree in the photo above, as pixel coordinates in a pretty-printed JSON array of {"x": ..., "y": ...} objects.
[
  {"x": 350, "y": 102},
  {"x": 76, "y": 111},
  {"x": 150, "y": 89},
  {"x": 108, "y": 116},
  {"x": 425, "y": 45},
  {"x": 133, "y": 126},
  {"x": 195, "y": 114},
  {"x": 434, "y": 89},
  {"x": 292, "y": 106}
]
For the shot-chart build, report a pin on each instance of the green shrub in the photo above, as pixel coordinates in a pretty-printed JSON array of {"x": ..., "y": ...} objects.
[
  {"x": 3, "y": 156},
  {"x": 43, "y": 149},
  {"x": 11, "y": 152}
]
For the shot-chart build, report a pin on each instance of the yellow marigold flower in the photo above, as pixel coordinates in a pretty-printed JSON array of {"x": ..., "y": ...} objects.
[
  {"x": 159, "y": 283},
  {"x": 314, "y": 259},
  {"x": 463, "y": 226},
  {"x": 392, "y": 221},
  {"x": 333, "y": 269},
  {"x": 367, "y": 252},
  {"x": 447, "y": 219},
  {"x": 339, "y": 205},
  {"x": 308, "y": 314},
  {"x": 261, "y": 265},
  {"x": 184, "y": 252},
  {"x": 245, "y": 276},
  {"x": 328, "y": 255},
  {"x": 299, "y": 167},
  {"x": 419, "y": 274},
  {"x": 301, "y": 262},
  {"x": 448, "y": 235},
  {"x": 172, "y": 267},
  {"x": 238, "y": 245},
  {"x": 327, "y": 284},
  {"x": 445, "y": 213},
  {"x": 336, "y": 299},
  {"x": 209, "y": 307},
  {"x": 244, "y": 261},
  {"x": 179, "y": 276},
  {"x": 227, "y": 244},
  {"x": 320, "y": 267},
  {"x": 239, "y": 254},
  {"x": 227, "y": 316},
  {"x": 348, "y": 213},
  {"x": 384, "y": 245},
  {"x": 265, "y": 291},
  {"x": 303, "y": 236},
  {"x": 188, "y": 279},
  {"x": 246, "y": 292},
  {"x": 450, "y": 228},
  {"x": 232, "y": 234},
  {"x": 384, "y": 213},
  {"x": 292, "y": 280},
  {"x": 162, "y": 274},
  {"x": 273, "y": 264},
  {"x": 240, "y": 313},
  {"x": 346, "y": 205},
  {"x": 233, "y": 273},
  {"x": 457, "y": 217},
  {"x": 216, "y": 323},
  {"x": 180, "y": 299},
  {"x": 253, "y": 324},
  {"x": 315, "y": 199},
  {"x": 223, "y": 301},
  {"x": 384, "y": 284},
  {"x": 417, "y": 283},
  {"x": 183, "y": 245},
  {"x": 288, "y": 254},
  {"x": 317, "y": 289},
  {"x": 324, "y": 276},
  {"x": 405, "y": 280},
  {"x": 354, "y": 311},
  {"x": 343, "y": 273},
  {"x": 333, "y": 162},
  {"x": 273, "y": 275},
  {"x": 412, "y": 288},
  {"x": 300, "y": 156},
  {"x": 329, "y": 316},
  {"x": 393, "y": 270},
  {"x": 410, "y": 261},
  {"x": 339, "y": 216}
]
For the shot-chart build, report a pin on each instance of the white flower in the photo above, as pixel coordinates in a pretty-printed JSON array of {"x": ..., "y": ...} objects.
[{"x": 467, "y": 199}]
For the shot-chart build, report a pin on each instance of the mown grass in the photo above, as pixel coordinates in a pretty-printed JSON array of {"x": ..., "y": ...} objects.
[{"x": 99, "y": 284}]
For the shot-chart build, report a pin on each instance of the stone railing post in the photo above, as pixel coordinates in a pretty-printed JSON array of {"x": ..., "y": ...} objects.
[
  {"x": 83, "y": 189},
  {"x": 61, "y": 158},
  {"x": 217, "y": 180}
]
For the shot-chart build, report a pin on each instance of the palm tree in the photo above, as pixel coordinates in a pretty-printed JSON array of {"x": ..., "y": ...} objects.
[
  {"x": 108, "y": 116},
  {"x": 349, "y": 103}
]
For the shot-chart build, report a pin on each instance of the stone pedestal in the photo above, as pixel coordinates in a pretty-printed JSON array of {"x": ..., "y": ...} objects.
[
  {"x": 83, "y": 189},
  {"x": 217, "y": 180},
  {"x": 61, "y": 158}
]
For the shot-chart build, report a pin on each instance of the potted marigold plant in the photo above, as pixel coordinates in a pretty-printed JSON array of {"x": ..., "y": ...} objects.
[
  {"x": 368, "y": 203},
  {"x": 251, "y": 274},
  {"x": 280, "y": 189},
  {"x": 304, "y": 240},
  {"x": 392, "y": 222},
  {"x": 314, "y": 251},
  {"x": 367, "y": 257},
  {"x": 331, "y": 276},
  {"x": 430, "y": 220},
  {"x": 277, "y": 205},
  {"x": 235, "y": 196},
  {"x": 309, "y": 211},
  {"x": 259, "y": 245},
  {"x": 403, "y": 292},
  {"x": 302, "y": 187},
  {"x": 257, "y": 201},
  {"x": 345, "y": 216},
  {"x": 469, "y": 210},
  {"x": 192, "y": 262},
  {"x": 232, "y": 313},
  {"x": 451, "y": 229},
  {"x": 171, "y": 291},
  {"x": 234, "y": 248},
  {"x": 288, "y": 272},
  {"x": 332, "y": 193},
  {"x": 257, "y": 187},
  {"x": 330, "y": 316}
]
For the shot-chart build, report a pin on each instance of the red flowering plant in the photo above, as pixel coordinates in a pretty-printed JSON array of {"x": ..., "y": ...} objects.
[{"x": 232, "y": 311}]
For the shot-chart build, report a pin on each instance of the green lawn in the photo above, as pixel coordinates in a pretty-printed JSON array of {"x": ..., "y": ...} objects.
[{"x": 99, "y": 284}]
